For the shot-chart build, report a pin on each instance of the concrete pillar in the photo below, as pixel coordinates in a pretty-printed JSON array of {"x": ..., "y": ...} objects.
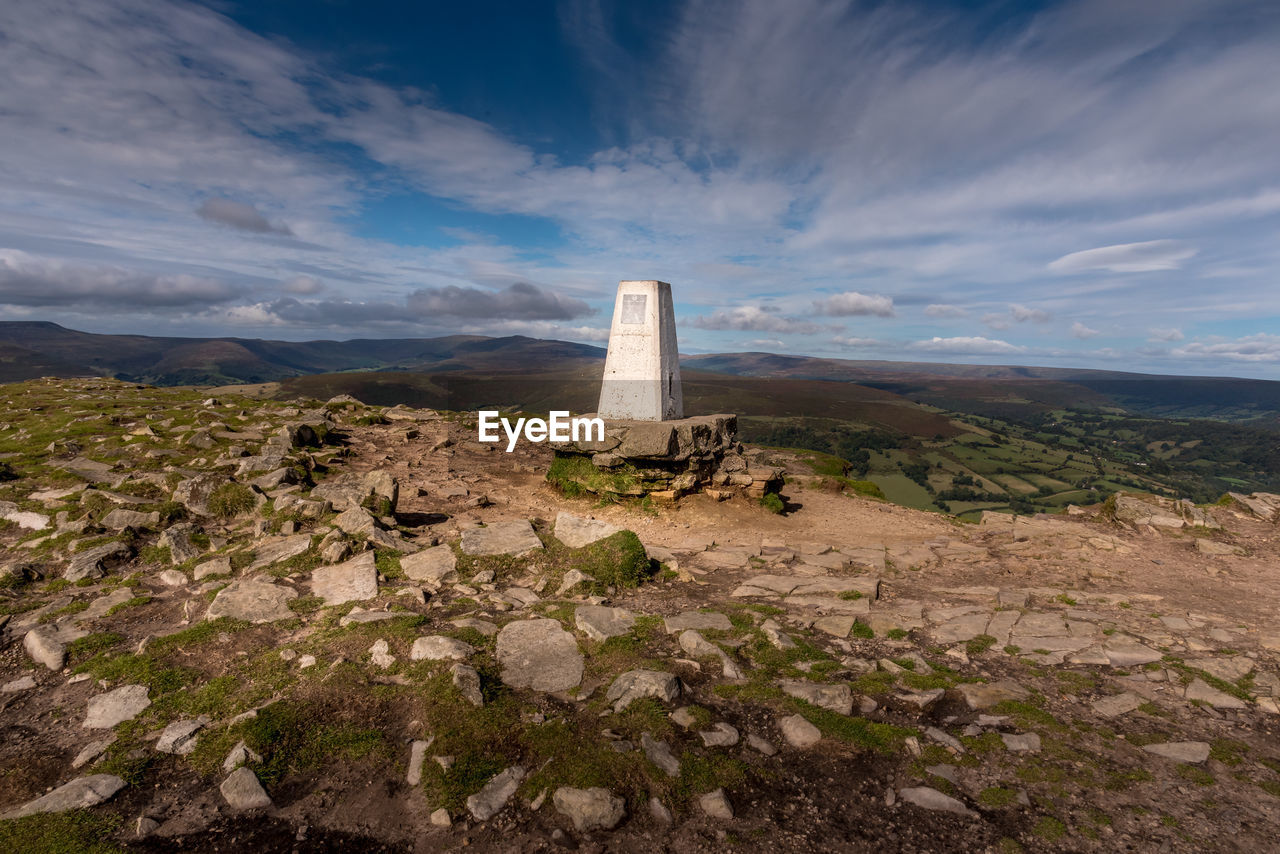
[{"x": 642, "y": 370}]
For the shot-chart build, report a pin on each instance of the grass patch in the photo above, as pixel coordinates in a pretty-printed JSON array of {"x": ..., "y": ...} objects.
[
  {"x": 75, "y": 832},
  {"x": 1049, "y": 829},
  {"x": 230, "y": 500},
  {"x": 995, "y": 796},
  {"x": 977, "y": 646},
  {"x": 882, "y": 738}
]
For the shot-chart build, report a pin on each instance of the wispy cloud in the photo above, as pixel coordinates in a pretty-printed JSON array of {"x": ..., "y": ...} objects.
[
  {"x": 1251, "y": 348},
  {"x": 1143, "y": 257},
  {"x": 1165, "y": 334},
  {"x": 944, "y": 310},
  {"x": 752, "y": 318},
  {"x": 967, "y": 346},
  {"x": 852, "y": 304},
  {"x": 239, "y": 215},
  {"x": 1079, "y": 330}
]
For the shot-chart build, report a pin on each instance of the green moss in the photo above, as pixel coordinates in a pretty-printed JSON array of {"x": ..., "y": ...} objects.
[
  {"x": 1049, "y": 829},
  {"x": 575, "y": 475},
  {"x": 882, "y": 738},
  {"x": 772, "y": 502},
  {"x": 995, "y": 796},
  {"x": 618, "y": 560},
  {"x": 75, "y": 832},
  {"x": 896, "y": 634},
  {"x": 135, "y": 602},
  {"x": 1195, "y": 774},
  {"x": 91, "y": 645},
  {"x": 195, "y": 635},
  {"x": 862, "y": 631},
  {"x": 977, "y": 646},
  {"x": 1119, "y": 781},
  {"x": 73, "y": 608},
  {"x": 230, "y": 500}
]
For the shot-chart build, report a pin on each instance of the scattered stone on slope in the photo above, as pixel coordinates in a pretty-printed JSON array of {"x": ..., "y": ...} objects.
[
  {"x": 467, "y": 680},
  {"x": 435, "y": 566},
  {"x": 698, "y": 621},
  {"x": 242, "y": 790},
  {"x": 589, "y": 809},
  {"x": 836, "y": 698},
  {"x": 277, "y": 549},
  {"x": 440, "y": 648},
  {"x": 659, "y": 753},
  {"x": 1193, "y": 752},
  {"x": 699, "y": 647},
  {"x": 122, "y": 704},
  {"x": 194, "y": 492},
  {"x": 1116, "y": 704},
  {"x": 539, "y": 654},
  {"x": 252, "y": 599},
  {"x": 179, "y": 737},
  {"x": 44, "y": 647},
  {"x": 512, "y": 537},
  {"x": 601, "y": 623},
  {"x": 353, "y": 581},
  {"x": 932, "y": 799},
  {"x": 984, "y": 695},
  {"x": 94, "y": 562},
  {"x": 490, "y": 800},
  {"x": 635, "y": 684},
  {"x": 119, "y": 519},
  {"x": 799, "y": 732},
  {"x": 1206, "y": 693},
  {"x": 716, "y": 805},
  {"x": 578, "y": 531},
  {"x": 78, "y": 794},
  {"x": 721, "y": 734}
]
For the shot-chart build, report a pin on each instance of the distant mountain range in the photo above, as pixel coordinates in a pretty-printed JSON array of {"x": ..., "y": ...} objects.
[{"x": 34, "y": 349}]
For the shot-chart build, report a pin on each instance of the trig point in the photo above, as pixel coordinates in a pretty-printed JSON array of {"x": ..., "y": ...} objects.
[{"x": 642, "y": 370}]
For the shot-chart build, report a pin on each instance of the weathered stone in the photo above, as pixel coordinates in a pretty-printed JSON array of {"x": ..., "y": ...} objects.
[
  {"x": 440, "y": 648},
  {"x": 119, "y": 519},
  {"x": 1134, "y": 511},
  {"x": 1206, "y": 693},
  {"x": 435, "y": 566},
  {"x": 172, "y": 578},
  {"x": 277, "y": 549},
  {"x": 78, "y": 794},
  {"x": 932, "y": 799},
  {"x": 194, "y": 493},
  {"x": 239, "y": 755},
  {"x": 44, "y": 647},
  {"x": 761, "y": 745},
  {"x": 417, "y": 755},
  {"x": 94, "y": 562},
  {"x": 589, "y": 809},
  {"x": 242, "y": 790},
  {"x": 1116, "y": 704},
  {"x": 467, "y": 680},
  {"x": 721, "y": 734},
  {"x": 252, "y": 599},
  {"x": 836, "y": 625},
  {"x": 14, "y": 686},
  {"x": 179, "y": 737},
  {"x": 123, "y": 704},
  {"x": 355, "y": 520},
  {"x": 659, "y": 753},
  {"x": 699, "y": 647},
  {"x": 92, "y": 751},
  {"x": 578, "y": 531},
  {"x": 836, "y": 698},
  {"x": 1193, "y": 752},
  {"x": 1021, "y": 742},
  {"x": 697, "y": 620},
  {"x": 216, "y": 566},
  {"x": 799, "y": 732},
  {"x": 716, "y": 805},
  {"x": 601, "y": 623},
  {"x": 774, "y": 634},
  {"x": 539, "y": 654},
  {"x": 24, "y": 518},
  {"x": 979, "y": 695},
  {"x": 512, "y": 537},
  {"x": 353, "y": 581},
  {"x": 490, "y": 800},
  {"x": 634, "y": 684},
  {"x": 380, "y": 653},
  {"x": 440, "y": 818},
  {"x": 1129, "y": 653}
]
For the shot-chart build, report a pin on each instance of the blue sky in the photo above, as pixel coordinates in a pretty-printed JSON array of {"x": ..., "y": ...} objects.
[{"x": 1090, "y": 184}]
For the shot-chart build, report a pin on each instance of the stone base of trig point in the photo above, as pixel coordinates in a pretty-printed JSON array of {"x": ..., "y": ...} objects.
[{"x": 664, "y": 460}]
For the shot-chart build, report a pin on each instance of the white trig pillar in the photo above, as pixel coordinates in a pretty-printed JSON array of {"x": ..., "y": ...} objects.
[{"x": 642, "y": 370}]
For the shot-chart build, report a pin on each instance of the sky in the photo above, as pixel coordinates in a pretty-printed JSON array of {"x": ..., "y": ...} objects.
[{"x": 1083, "y": 184}]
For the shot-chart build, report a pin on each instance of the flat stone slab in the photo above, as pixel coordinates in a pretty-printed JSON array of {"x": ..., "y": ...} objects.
[
  {"x": 1206, "y": 693},
  {"x": 589, "y": 809},
  {"x": 352, "y": 581},
  {"x": 932, "y": 799},
  {"x": 252, "y": 599},
  {"x": 698, "y": 621},
  {"x": 790, "y": 585},
  {"x": 1117, "y": 704},
  {"x": 275, "y": 549},
  {"x": 835, "y": 698},
  {"x": 513, "y": 537},
  {"x": 123, "y": 704},
  {"x": 1193, "y": 752},
  {"x": 78, "y": 794},
  {"x": 1129, "y": 653},
  {"x": 579, "y": 531},
  {"x": 179, "y": 737},
  {"x": 435, "y": 566},
  {"x": 600, "y": 623},
  {"x": 984, "y": 695},
  {"x": 961, "y": 628},
  {"x": 635, "y": 684},
  {"x": 539, "y": 654},
  {"x": 440, "y": 648},
  {"x": 490, "y": 800}
]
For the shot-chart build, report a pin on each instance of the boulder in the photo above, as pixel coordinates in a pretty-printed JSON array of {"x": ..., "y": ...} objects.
[
  {"x": 242, "y": 790},
  {"x": 94, "y": 562},
  {"x": 353, "y": 581},
  {"x": 539, "y": 654},
  {"x": 697, "y": 620},
  {"x": 119, "y": 519},
  {"x": 179, "y": 737},
  {"x": 276, "y": 549},
  {"x": 716, "y": 805},
  {"x": 435, "y": 566},
  {"x": 252, "y": 599},
  {"x": 799, "y": 732},
  {"x": 44, "y": 647},
  {"x": 634, "y": 684},
  {"x": 440, "y": 648},
  {"x": 194, "y": 493},
  {"x": 487, "y": 802},
  {"x": 512, "y": 537},
  {"x": 578, "y": 531},
  {"x": 177, "y": 539},
  {"x": 123, "y": 704},
  {"x": 835, "y": 698},
  {"x": 600, "y": 623},
  {"x": 589, "y": 809},
  {"x": 78, "y": 794}
]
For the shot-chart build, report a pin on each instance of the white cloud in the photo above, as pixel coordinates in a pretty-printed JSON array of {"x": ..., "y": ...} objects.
[
  {"x": 302, "y": 285},
  {"x": 1169, "y": 334},
  {"x": 1143, "y": 257},
  {"x": 751, "y": 318},
  {"x": 239, "y": 215},
  {"x": 1250, "y": 348},
  {"x": 1022, "y": 314},
  {"x": 1079, "y": 330},
  {"x": 856, "y": 343},
  {"x": 944, "y": 310},
  {"x": 967, "y": 346},
  {"x": 997, "y": 321},
  {"x": 852, "y": 303},
  {"x": 769, "y": 343}
]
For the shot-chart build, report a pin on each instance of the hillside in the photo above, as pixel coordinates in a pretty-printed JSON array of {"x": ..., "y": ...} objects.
[{"x": 297, "y": 625}]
